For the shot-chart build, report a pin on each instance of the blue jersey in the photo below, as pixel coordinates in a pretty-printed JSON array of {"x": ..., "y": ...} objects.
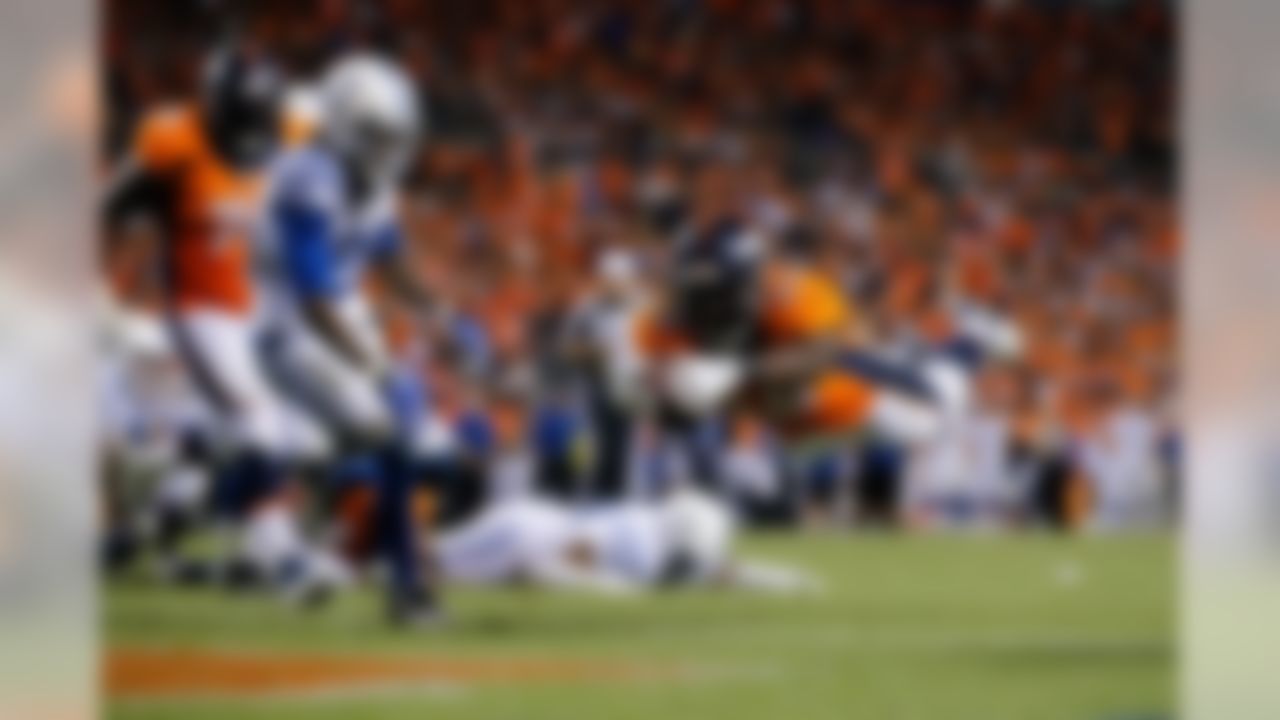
[{"x": 319, "y": 239}]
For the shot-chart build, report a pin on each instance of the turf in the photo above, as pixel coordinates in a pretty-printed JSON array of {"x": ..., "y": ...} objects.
[{"x": 925, "y": 628}]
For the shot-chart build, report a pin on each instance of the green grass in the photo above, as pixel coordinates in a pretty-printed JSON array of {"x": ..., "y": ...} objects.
[{"x": 931, "y": 628}]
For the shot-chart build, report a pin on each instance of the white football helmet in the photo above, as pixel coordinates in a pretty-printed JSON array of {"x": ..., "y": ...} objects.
[
  {"x": 369, "y": 113},
  {"x": 701, "y": 530}
]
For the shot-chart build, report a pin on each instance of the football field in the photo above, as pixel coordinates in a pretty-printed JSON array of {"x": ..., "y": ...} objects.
[{"x": 909, "y": 628}]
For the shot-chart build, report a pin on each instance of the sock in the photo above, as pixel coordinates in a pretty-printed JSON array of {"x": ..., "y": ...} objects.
[
  {"x": 395, "y": 538},
  {"x": 245, "y": 480}
]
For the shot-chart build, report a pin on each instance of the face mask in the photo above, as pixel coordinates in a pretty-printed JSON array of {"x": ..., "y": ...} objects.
[
  {"x": 382, "y": 154},
  {"x": 245, "y": 144}
]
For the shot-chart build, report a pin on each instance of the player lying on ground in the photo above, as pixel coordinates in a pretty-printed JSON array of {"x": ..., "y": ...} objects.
[{"x": 685, "y": 539}]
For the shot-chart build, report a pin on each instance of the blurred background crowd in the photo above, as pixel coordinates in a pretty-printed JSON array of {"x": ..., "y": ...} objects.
[{"x": 1021, "y": 153}]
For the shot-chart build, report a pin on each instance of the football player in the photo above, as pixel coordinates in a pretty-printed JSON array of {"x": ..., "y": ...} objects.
[
  {"x": 740, "y": 328},
  {"x": 199, "y": 168},
  {"x": 333, "y": 222},
  {"x": 618, "y": 548}
]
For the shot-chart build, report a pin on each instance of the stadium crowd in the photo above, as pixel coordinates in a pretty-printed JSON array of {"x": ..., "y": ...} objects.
[{"x": 1019, "y": 153}]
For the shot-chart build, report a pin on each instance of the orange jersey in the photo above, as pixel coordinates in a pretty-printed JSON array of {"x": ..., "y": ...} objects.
[
  {"x": 837, "y": 402},
  {"x": 803, "y": 305},
  {"x": 799, "y": 305},
  {"x": 213, "y": 208}
]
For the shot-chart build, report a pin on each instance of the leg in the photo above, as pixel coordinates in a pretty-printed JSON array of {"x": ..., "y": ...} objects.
[
  {"x": 262, "y": 444},
  {"x": 355, "y": 405},
  {"x": 250, "y": 485}
]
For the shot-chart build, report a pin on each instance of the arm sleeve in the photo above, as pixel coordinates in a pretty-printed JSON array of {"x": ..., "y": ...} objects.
[{"x": 309, "y": 258}]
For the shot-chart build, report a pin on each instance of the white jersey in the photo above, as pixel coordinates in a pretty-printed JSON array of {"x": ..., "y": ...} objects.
[
  {"x": 317, "y": 241},
  {"x": 508, "y": 541},
  {"x": 537, "y": 540},
  {"x": 631, "y": 539},
  {"x": 317, "y": 246}
]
